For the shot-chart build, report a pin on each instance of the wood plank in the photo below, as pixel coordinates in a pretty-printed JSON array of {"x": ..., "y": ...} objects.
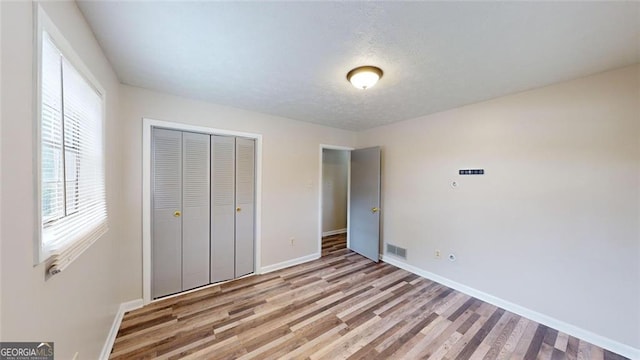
[
  {"x": 536, "y": 342},
  {"x": 480, "y": 335},
  {"x": 513, "y": 339}
]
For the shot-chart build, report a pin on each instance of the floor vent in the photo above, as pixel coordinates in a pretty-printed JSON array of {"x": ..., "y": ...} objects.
[{"x": 397, "y": 251}]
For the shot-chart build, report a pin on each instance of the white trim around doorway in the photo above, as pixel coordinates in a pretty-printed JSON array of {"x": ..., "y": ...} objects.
[{"x": 147, "y": 124}]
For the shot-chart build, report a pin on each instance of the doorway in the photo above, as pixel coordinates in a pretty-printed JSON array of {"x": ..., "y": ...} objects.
[
  {"x": 362, "y": 231},
  {"x": 334, "y": 200}
]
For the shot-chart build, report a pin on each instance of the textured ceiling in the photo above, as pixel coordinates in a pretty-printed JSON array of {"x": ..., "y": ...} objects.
[{"x": 291, "y": 58}]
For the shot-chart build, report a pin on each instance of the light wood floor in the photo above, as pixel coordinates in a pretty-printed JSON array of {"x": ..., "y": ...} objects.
[
  {"x": 331, "y": 244},
  {"x": 340, "y": 306}
]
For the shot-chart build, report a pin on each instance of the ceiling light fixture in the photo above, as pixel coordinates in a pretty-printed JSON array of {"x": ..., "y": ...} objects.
[{"x": 364, "y": 77}]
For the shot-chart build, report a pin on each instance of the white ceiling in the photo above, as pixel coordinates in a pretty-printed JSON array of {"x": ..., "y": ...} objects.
[{"x": 291, "y": 58}]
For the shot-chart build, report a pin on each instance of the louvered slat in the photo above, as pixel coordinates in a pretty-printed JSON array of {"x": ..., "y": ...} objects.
[
  {"x": 245, "y": 178},
  {"x": 195, "y": 210},
  {"x": 223, "y": 208},
  {"x": 166, "y": 165}
]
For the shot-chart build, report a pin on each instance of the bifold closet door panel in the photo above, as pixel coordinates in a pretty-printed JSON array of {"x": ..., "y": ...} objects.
[
  {"x": 222, "y": 208},
  {"x": 195, "y": 210},
  {"x": 166, "y": 187},
  {"x": 245, "y": 208}
]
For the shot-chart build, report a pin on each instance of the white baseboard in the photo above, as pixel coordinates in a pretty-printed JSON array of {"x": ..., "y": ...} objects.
[
  {"x": 334, "y": 232},
  {"x": 598, "y": 340},
  {"x": 111, "y": 338},
  {"x": 288, "y": 263}
]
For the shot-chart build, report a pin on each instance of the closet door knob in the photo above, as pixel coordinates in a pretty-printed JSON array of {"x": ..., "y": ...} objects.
[
  {"x": 238, "y": 209},
  {"x": 177, "y": 213}
]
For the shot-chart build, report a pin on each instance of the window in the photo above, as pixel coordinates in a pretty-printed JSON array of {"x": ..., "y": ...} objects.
[{"x": 72, "y": 190}]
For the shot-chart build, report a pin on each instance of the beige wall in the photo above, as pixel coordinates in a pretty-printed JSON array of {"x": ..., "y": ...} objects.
[
  {"x": 290, "y": 161},
  {"x": 75, "y": 308},
  {"x": 334, "y": 189},
  {"x": 554, "y": 224}
]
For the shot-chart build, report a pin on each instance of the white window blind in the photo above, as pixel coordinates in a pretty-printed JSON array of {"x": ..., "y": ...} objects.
[{"x": 73, "y": 208}]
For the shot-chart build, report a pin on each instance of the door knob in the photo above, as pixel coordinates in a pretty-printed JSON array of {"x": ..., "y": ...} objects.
[
  {"x": 177, "y": 213},
  {"x": 238, "y": 209},
  {"x": 375, "y": 210}
]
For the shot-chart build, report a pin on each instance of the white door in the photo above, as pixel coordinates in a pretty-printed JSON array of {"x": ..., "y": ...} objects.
[
  {"x": 223, "y": 210},
  {"x": 203, "y": 209},
  {"x": 364, "y": 213},
  {"x": 195, "y": 210},
  {"x": 166, "y": 206},
  {"x": 245, "y": 208}
]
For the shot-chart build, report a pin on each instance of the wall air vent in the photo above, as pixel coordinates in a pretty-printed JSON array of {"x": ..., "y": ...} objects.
[{"x": 397, "y": 251}]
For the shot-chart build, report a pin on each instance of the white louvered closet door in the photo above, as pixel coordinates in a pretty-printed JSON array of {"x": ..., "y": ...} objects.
[
  {"x": 222, "y": 208},
  {"x": 166, "y": 187},
  {"x": 195, "y": 210},
  {"x": 245, "y": 208}
]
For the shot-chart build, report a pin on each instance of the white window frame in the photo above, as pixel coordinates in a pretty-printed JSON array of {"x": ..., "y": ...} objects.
[{"x": 43, "y": 23}]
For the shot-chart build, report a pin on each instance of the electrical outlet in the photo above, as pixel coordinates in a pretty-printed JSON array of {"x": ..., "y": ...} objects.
[
  {"x": 291, "y": 240},
  {"x": 437, "y": 254}
]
